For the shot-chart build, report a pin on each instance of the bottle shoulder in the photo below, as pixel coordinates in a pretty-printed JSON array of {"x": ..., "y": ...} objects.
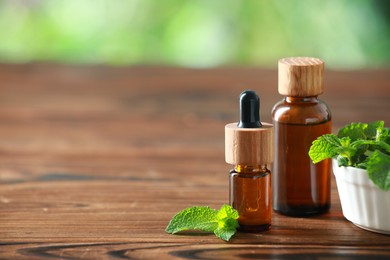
[{"x": 314, "y": 111}]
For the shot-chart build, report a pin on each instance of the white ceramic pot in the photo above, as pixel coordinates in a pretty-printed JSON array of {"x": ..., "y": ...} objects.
[{"x": 363, "y": 203}]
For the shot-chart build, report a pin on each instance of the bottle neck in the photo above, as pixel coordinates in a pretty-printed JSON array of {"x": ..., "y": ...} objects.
[
  {"x": 250, "y": 169},
  {"x": 313, "y": 99}
]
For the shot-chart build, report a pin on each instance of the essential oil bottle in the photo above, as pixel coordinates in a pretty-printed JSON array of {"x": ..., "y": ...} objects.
[
  {"x": 249, "y": 147},
  {"x": 300, "y": 188}
]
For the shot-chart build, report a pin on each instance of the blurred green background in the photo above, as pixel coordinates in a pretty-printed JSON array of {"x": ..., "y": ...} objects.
[{"x": 347, "y": 34}]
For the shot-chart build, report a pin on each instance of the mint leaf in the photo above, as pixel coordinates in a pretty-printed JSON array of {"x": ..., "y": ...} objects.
[
  {"x": 383, "y": 134},
  {"x": 354, "y": 131},
  {"x": 194, "y": 218},
  {"x": 227, "y": 212},
  {"x": 374, "y": 144},
  {"x": 373, "y": 129},
  {"x": 326, "y": 146},
  {"x": 378, "y": 168},
  {"x": 362, "y": 131},
  {"x": 223, "y": 222},
  {"x": 227, "y": 222},
  {"x": 224, "y": 234},
  {"x": 342, "y": 161}
]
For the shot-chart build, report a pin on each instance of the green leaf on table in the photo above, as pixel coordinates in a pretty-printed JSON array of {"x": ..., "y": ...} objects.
[
  {"x": 227, "y": 222},
  {"x": 222, "y": 222},
  {"x": 194, "y": 218}
]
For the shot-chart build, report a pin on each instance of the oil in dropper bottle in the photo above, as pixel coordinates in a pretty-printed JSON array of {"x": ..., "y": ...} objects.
[{"x": 249, "y": 147}]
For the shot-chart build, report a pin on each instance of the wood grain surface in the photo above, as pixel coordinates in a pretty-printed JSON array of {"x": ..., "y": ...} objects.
[{"x": 94, "y": 161}]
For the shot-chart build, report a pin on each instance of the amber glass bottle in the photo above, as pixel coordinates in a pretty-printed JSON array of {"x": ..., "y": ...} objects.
[
  {"x": 250, "y": 194},
  {"x": 300, "y": 188},
  {"x": 249, "y": 147}
]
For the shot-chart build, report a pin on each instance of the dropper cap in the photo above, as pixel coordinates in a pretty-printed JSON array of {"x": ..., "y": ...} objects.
[
  {"x": 300, "y": 77},
  {"x": 250, "y": 141},
  {"x": 249, "y": 110}
]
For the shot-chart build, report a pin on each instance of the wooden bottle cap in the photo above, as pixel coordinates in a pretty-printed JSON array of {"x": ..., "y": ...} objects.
[
  {"x": 249, "y": 146},
  {"x": 301, "y": 77}
]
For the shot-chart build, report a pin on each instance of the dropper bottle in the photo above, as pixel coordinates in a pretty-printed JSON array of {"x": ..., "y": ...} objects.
[{"x": 249, "y": 147}]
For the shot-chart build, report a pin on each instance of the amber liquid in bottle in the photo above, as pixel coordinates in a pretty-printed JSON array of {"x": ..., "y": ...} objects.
[
  {"x": 300, "y": 187},
  {"x": 250, "y": 195}
]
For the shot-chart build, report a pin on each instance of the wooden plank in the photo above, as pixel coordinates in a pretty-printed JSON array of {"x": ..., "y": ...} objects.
[
  {"x": 94, "y": 161},
  {"x": 188, "y": 251}
]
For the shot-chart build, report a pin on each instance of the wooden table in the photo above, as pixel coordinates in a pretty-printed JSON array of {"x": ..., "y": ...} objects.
[{"x": 94, "y": 161}]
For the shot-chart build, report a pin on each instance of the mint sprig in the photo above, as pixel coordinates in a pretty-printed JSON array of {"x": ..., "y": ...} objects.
[
  {"x": 222, "y": 222},
  {"x": 359, "y": 145}
]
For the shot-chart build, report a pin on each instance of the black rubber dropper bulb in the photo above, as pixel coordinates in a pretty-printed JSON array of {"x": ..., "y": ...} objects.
[{"x": 249, "y": 110}]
